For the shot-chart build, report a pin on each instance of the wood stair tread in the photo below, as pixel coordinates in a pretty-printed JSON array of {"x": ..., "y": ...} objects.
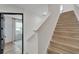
[
  {"x": 68, "y": 40},
  {"x": 71, "y": 32},
  {"x": 62, "y": 43},
  {"x": 66, "y": 35},
  {"x": 68, "y": 23},
  {"x": 66, "y": 30},
  {"x": 57, "y": 50},
  {"x": 65, "y": 47},
  {"x": 67, "y": 26}
]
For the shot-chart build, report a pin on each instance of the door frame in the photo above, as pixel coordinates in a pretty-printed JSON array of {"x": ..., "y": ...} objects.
[{"x": 10, "y": 13}]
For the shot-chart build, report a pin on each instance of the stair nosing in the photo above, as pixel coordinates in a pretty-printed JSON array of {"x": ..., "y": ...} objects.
[{"x": 73, "y": 46}]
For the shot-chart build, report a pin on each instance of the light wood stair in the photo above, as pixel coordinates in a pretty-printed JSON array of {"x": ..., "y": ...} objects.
[{"x": 66, "y": 35}]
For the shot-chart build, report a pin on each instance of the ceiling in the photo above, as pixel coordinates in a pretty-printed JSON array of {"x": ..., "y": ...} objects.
[{"x": 37, "y": 9}]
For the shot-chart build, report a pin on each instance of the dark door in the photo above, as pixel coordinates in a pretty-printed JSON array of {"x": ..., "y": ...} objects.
[{"x": 1, "y": 34}]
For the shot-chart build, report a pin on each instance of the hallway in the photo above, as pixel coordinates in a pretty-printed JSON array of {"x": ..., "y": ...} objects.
[
  {"x": 66, "y": 35},
  {"x": 13, "y": 47}
]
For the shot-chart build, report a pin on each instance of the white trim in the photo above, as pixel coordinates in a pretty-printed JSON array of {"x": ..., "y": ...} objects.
[{"x": 76, "y": 11}]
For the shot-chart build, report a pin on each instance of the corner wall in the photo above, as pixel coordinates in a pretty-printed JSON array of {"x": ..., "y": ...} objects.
[
  {"x": 76, "y": 10},
  {"x": 31, "y": 22},
  {"x": 45, "y": 32},
  {"x": 67, "y": 7}
]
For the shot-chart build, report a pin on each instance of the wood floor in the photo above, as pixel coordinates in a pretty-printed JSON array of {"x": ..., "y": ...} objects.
[
  {"x": 66, "y": 35},
  {"x": 12, "y": 48}
]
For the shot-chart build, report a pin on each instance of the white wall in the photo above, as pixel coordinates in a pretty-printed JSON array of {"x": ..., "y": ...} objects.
[
  {"x": 33, "y": 16},
  {"x": 32, "y": 45},
  {"x": 28, "y": 22},
  {"x": 32, "y": 19},
  {"x": 36, "y": 9},
  {"x": 76, "y": 10},
  {"x": 68, "y": 7},
  {"x": 8, "y": 29},
  {"x": 45, "y": 32},
  {"x": 10, "y": 8}
]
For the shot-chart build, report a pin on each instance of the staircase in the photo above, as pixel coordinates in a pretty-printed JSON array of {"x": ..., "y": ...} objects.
[{"x": 66, "y": 35}]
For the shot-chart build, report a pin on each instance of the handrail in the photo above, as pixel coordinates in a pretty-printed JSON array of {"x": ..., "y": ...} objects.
[
  {"x": 39, "y": 25},
  {"x": 31, "y": 36},
  {"x": 36, "y": 28}
]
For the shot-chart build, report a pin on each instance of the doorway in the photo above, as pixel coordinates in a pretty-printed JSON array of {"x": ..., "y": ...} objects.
[{"x": 11, "y": 33}]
